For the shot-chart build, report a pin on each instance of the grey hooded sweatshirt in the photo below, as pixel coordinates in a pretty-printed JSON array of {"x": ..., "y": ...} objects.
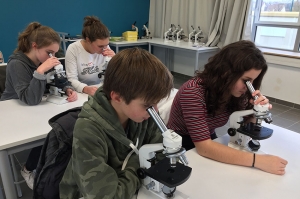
[{"x": 22, "y": 80}]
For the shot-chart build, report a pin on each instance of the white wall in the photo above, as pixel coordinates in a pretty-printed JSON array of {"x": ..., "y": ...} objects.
[{"x": 282, "y": 79}]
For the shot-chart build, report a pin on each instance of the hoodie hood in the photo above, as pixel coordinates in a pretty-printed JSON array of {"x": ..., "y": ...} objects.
[
  {"x": 23, "y": 58},
  {"x": 65, "y": 122}
]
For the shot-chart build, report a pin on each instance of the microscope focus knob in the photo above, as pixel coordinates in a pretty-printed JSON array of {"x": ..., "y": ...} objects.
[
  {"x": 254, "y": 145},
  {"x": 141, "y": 173},
  {"x": 231, "y": 131}
]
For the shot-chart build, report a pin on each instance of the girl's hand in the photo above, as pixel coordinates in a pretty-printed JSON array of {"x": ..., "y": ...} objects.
[
  {"x": 47, "y": 65},
  {"x": 271, "y": 164},
  {"x": 108, "y": 52},
  {"x": 72, "y": 95},
  {"x": 260, "y": 100}
]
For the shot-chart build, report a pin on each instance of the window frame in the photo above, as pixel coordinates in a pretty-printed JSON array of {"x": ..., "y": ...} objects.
[{"x": 257, "y": 23}]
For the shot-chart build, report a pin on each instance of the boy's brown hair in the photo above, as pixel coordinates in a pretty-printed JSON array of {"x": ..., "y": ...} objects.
[{"x": 135, "y": 73}]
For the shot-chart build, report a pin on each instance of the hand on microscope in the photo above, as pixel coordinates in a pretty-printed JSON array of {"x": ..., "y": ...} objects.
[
  {"x": 47, "y": 65},
  {"x": 261, "y": 99}
]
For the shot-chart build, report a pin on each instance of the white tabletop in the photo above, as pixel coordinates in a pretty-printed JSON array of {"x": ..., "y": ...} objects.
[
  {"x": 3, "y": 64},
  {"x": 21, "y": 123},
  {"x": 180, "y": 44},
  {"x": 139, "y": 41},
  {"x": 211, "y": 179},
  {"x": 165, "y": 43}
]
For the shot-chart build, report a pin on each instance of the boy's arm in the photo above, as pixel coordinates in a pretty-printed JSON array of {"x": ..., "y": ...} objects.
[{"x": 94, "y": 177}]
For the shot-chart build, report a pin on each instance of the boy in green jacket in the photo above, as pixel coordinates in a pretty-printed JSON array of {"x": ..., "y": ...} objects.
[{"x": 111, "y": 123}]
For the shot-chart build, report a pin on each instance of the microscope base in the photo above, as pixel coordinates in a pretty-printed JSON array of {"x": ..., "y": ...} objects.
[
  {"x": 57, "y": 99},
  {"x": 145, "y": 194},
  {"x": 242, "y": 148}
]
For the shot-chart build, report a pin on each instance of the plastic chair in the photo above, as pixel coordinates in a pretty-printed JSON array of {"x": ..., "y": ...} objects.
[{"x": 63, "y": 40}]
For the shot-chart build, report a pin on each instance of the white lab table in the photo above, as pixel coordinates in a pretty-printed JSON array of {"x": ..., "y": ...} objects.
[
  {"x": 3, "y": 64},
  {"x": 211, "y": 179},
  {"x": 167, "y": 44},
  {"x": 24, "y": 127},
  {"x": 118, "y": 44},
  {"x": 184, "y": 46}
]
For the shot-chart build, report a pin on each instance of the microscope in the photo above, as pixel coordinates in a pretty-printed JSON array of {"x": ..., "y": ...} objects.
[
  {"x": 179, "y": 34},
  {"x": 146, "y": 32},
  {"x": 104, "y": 66},
  {"x": 170, "y": 33},
  {"x": 192, "y": 35},
  {"x": 56, "y": 81},
  {"x": 161, "y": 178},
  {"x": 246, "y": 135},
  {"x": 198, "y": 37},
  {"x": 134, "y": 28}
]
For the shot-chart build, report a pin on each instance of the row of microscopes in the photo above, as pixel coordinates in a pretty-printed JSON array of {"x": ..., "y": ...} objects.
[{"x": 177, "y": 34}]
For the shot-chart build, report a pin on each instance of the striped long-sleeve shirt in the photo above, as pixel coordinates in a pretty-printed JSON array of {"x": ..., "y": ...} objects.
[{"x": 189, "y": 115}]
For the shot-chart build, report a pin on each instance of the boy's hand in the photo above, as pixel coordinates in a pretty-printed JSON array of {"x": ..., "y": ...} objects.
[
  {"x": 47, "y": 65},
  {"x": 271, "y": 164},
  {"x": 72, "y": 95}
]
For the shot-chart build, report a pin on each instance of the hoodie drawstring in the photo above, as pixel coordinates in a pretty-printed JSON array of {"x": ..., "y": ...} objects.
[{"x": 134, "y": 149}]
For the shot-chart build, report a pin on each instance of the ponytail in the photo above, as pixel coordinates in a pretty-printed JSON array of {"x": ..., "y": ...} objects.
[
  {"x": 94, "y": 29},
  {"x": 35, "y": 32}
]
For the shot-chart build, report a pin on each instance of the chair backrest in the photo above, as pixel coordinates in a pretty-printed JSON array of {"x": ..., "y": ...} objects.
[
  {"x": 55, "y": 155},
  {"x": 63, "y": 40},
  {"x": 2, "y": 78},
  {"x": 164, "y": 106}
]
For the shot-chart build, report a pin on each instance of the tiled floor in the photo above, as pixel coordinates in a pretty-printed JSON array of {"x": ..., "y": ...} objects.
[{"x": 283, "y": 116}]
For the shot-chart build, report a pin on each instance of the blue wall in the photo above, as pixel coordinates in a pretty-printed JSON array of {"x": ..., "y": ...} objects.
[{"x": 67, "y": 16}]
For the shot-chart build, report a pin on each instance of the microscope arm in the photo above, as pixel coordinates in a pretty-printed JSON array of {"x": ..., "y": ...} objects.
[
  {"x": 147, "y": 152},
  {"x": 237, "y": 116}
]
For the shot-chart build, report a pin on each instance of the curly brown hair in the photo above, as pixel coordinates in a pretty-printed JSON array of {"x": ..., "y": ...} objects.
[{"x": 224, "y": 69}]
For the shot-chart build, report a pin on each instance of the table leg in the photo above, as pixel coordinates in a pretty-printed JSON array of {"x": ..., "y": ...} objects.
[
  {"x": 149, "y": 48},
  {"x": 7, "y": 176},
  {"x": 196, "y": 61},
  {"x": 1, "y": 194},
  {"x": 15, "y": 175},
  {"x": 117, "y": 48}
]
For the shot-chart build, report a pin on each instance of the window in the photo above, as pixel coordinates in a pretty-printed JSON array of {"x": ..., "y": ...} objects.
[{"x": 276, "y": 24}]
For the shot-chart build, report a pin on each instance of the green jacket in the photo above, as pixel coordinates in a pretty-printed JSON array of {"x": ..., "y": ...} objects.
[{"x": 99, "y": 148}]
